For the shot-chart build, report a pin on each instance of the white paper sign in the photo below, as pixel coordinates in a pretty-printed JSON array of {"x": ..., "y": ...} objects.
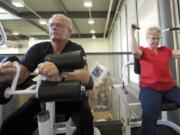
[{"x": 98, "y": 72}]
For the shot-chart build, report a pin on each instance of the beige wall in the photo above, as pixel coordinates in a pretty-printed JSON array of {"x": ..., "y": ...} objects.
[
  {"x": 94, "y": 45},
  {"x": 12, "y": 47},
  {"x": 89, "y": 45}
]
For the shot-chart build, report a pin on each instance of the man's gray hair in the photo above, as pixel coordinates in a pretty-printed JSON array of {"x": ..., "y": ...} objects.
[{"x": 67, "y": 19}]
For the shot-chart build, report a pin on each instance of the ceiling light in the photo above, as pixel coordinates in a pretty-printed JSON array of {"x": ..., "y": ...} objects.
[
  {"x": 93, "y": 37},
  {"x": 93, "y": 31},
  {"x": 87, "y": 3},
  {"x": 15, "y": 33},
  {"x": 3, "y": 11},
  {"x": 42, "y": 21},
  {"x": 18, "y": 3},
  {"x": 91, "y": 21}
]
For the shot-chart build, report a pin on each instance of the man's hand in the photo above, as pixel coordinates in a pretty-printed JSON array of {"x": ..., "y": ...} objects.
[
  {"x": 49, "y": 70},
  {"x": 7, "y": 72}
]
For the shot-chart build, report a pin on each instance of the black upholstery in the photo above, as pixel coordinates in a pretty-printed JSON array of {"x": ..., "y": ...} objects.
[
  {"x": 137, "y": 68},
  {"x": 61, "y": 118},
  {"x": 168, "y": 105}
]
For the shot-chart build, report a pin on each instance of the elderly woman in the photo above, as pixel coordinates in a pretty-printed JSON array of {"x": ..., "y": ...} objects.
[{"x": 156, "y": 80}]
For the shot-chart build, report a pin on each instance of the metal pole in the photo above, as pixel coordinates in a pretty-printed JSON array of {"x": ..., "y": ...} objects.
[{"x": 165, "y": 18}]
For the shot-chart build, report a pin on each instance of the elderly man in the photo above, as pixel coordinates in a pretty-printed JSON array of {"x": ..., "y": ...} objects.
[{"x": 23, "y": 121}]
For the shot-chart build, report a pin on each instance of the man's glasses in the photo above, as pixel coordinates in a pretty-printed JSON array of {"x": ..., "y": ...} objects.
[{"x": 57, "y": 25}]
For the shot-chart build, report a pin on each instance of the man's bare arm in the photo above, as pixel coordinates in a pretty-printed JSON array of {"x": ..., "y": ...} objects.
[
  {"x": 80, "y": 75},
  {"x": 8, "y": 71}
]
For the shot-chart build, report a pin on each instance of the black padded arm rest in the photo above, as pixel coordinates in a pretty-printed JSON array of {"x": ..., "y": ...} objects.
[
  {"x": 168, "y": 105},
  {"x": 60, "y": 91},
  {"x": 67, "y": 62}
]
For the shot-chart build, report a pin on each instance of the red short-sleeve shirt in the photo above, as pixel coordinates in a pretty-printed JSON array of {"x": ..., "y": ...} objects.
[{"x": 155, "y": 69}]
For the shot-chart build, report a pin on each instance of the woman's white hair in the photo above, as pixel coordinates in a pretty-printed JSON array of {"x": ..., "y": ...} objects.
[{"x": 152, "y": 30}]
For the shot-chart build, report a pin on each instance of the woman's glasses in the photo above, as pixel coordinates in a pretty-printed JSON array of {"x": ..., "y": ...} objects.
[{"x": 155, "y": 38}]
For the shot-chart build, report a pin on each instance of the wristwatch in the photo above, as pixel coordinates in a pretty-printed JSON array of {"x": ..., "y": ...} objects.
[{"x": 63, "y": 78}]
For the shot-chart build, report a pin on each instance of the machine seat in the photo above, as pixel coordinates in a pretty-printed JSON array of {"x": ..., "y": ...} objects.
[
  {"x": 61, "y": 118},
  {"x": 168, "y": 105}
]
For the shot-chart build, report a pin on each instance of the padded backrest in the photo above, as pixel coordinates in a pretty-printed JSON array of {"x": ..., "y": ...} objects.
[{"x": 137, "y": 68}]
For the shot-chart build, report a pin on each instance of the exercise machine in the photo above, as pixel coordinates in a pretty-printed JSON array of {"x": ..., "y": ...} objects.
[
  {"x": 130, "y": 111},
  {"x": 50, "y": 92},
  {"x": 3, "y": 37},
  {"x": 40, "y": 89}
]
